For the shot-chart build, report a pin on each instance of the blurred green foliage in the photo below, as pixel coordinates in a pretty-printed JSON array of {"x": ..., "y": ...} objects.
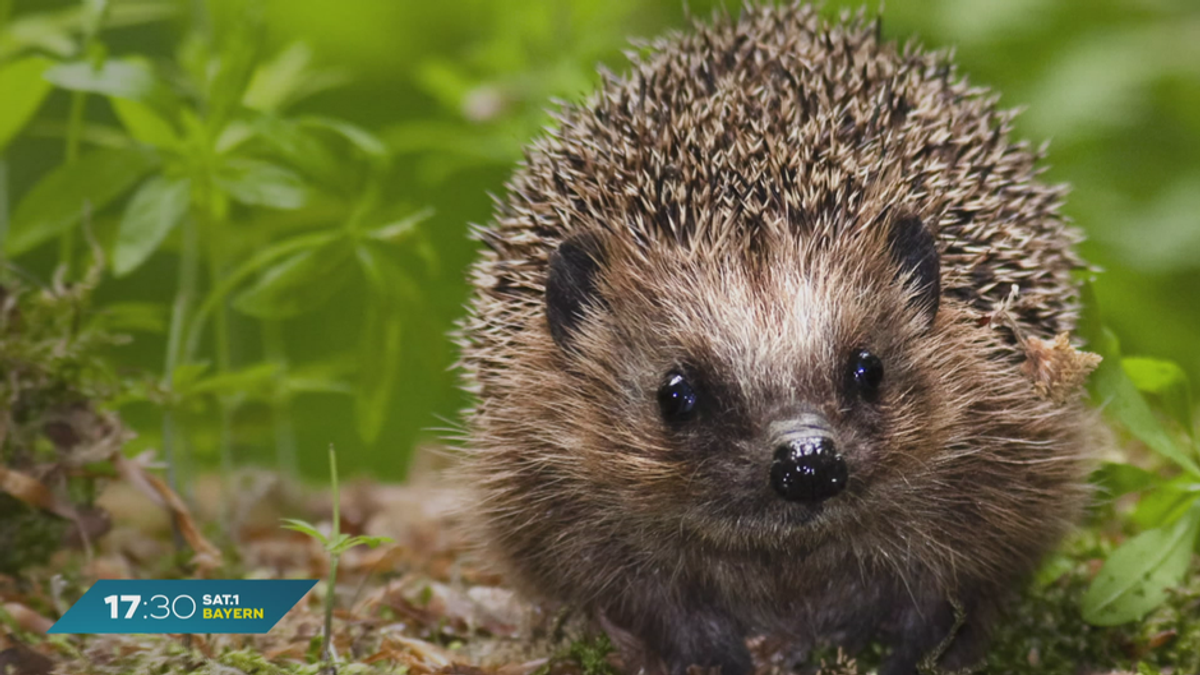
[{"x": 322, "y": 162}]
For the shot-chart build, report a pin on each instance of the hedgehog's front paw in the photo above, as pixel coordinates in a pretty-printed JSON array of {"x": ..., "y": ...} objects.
[
  {"x": 636, "y": 657},
  {"x": 948, "y": 640},
  {"x": 678, "y": 641}
]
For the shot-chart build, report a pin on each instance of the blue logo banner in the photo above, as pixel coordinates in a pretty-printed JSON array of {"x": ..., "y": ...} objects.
[{"x": 183, "y": 606}]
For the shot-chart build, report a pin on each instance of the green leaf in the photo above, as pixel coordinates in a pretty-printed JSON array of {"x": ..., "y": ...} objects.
[
  {"x": 372, "y": 541},
  {"x": 255, "y": 381},
  {"x": 1166, "y": 380},
  {"x": 367, "y": 142},
  {"x": 233, "y": 280},
  {"x": 48, "y": 32},
  {"x": 387, "y": 278},
  {"x": 320, "y": 377},
  {"x": 234, "y": 135},
  {"x": 1144, "y": 668},
  {"x": 1136, "y": 576},
  {"x": 155, "y": 209},
  {"x": 94, "y": 12},
  {"x": 306, "y": 528},
  {"x": 1118, "y": 479},
  {"x": 1121, "y": 400},
  {"x": 315, "y": 385},
  {"x": 57, "y": 201},
  {"x": 288, "y": 78},
  {"x": 274, "y": 81},
  {"x": 24, "y": 90},
  {"x": 120, "y": 78},
  {"x": 444, "y": 81},
  {"x": 470, "y": 145},
  {"x": 346, "y": 543},
  {"x": 380, "y": 351},
  {"x": 146, "y": 317},
  {"x": 256, "y": 182},
  {"x": 300, "y": 283},
  {"x": 187, "y": 375},
  {"x": 1166, "y": 503},
  {"x": 239, "y": 52},
  {"x": 144, "y": 124},
  {"x": 1053, "y": 569},
  {"x": 300, "y": 149},
  {"x": 138, "y": 12},
  {"x": 400, "y": 229}
]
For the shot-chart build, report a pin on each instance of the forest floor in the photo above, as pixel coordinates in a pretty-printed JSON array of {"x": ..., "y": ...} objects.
[{"x": 422, "y": 606}]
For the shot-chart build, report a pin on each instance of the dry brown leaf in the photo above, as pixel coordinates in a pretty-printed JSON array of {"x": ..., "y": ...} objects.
[
  {"x": 1057, "y": 369},
  {"x": 37, "y": 494},
  {"x": 208, "y": 557},
  {"x": 28, "y": 619},
  {"x": 431, "y": 655},
  {"x": 526, "y": 668},
  {"x": 34, "y": 492},
  {"x": 462, "y": 669}
]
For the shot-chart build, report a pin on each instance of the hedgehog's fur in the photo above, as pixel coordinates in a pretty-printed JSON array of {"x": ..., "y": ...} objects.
[{"x": 733, "y": 198}]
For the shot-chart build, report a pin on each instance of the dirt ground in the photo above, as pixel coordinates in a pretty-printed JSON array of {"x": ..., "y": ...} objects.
[{"x": 421, "y": 605}]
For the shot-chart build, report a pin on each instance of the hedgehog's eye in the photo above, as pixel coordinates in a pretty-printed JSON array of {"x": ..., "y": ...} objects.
[
  {"x": 676, "y": 398},
  {"x": 866, "y": 372}
]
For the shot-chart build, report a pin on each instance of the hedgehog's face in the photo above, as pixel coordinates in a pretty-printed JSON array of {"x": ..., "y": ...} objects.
[{"x": 746, "y": 398}]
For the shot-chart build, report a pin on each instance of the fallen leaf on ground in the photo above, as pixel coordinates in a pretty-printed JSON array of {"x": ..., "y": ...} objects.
[{"x": 208, "y": 557}]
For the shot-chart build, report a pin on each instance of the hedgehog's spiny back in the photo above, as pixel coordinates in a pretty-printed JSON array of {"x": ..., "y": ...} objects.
[{"x": 778, "y": 121}]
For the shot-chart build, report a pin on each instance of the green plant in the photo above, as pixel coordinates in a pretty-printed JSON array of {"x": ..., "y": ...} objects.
[
  {"x": 1137, "y": 575},
  {"x": 36, "y": 50},
  {"x": 335, "y": 544},
  {"x": 205, "y": 158},
  {"x": 57, "y": 436},
  {"x": 243, "y": 197},
  {"x": 592, "y": 655}
]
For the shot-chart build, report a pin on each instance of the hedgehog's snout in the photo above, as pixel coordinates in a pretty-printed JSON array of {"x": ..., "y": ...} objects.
[{"x": 807, "y": 467}]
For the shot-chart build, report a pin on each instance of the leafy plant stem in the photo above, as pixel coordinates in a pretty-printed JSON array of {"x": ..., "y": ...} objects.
[
  {"x": 75, "y": 123},
  {"x": 334, "y": 557},
  {"x": 231, "y": 281},
  {"x": 281, "y": 404},
  {"x": 66, "y": 245},
  {"x": 3, "y": 208},
  {"x": 335, "y": 544},
  {"x": 222, "y": 346},
  {"x": 186, "y": 289}
]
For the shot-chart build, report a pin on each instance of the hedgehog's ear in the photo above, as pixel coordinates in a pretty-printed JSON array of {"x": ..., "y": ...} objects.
[
  {"x": 571, "y": 285},
  {"x": 914, "y": 249}
]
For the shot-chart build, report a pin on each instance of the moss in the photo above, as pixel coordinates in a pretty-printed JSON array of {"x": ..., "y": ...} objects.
[
  {"x": 587, "y": 655},
  {"x": 1045, "y": 630},
  {"x": 56, "y": 386},
  {"x": 28, "y": 536},
  {"x": 250, "y": 662},
  {"x": 1170, "y": 636},
  {"x": 592, "y": 655}
]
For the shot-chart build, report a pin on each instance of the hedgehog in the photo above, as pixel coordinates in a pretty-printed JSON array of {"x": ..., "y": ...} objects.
[{"x": 748, "y": 346}]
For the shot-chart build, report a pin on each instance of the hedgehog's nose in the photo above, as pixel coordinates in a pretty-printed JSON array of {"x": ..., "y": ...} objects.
[{"x": 808, "y": 468}]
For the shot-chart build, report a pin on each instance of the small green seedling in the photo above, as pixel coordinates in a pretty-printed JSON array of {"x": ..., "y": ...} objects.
[{"x": 335, "y": 544}]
